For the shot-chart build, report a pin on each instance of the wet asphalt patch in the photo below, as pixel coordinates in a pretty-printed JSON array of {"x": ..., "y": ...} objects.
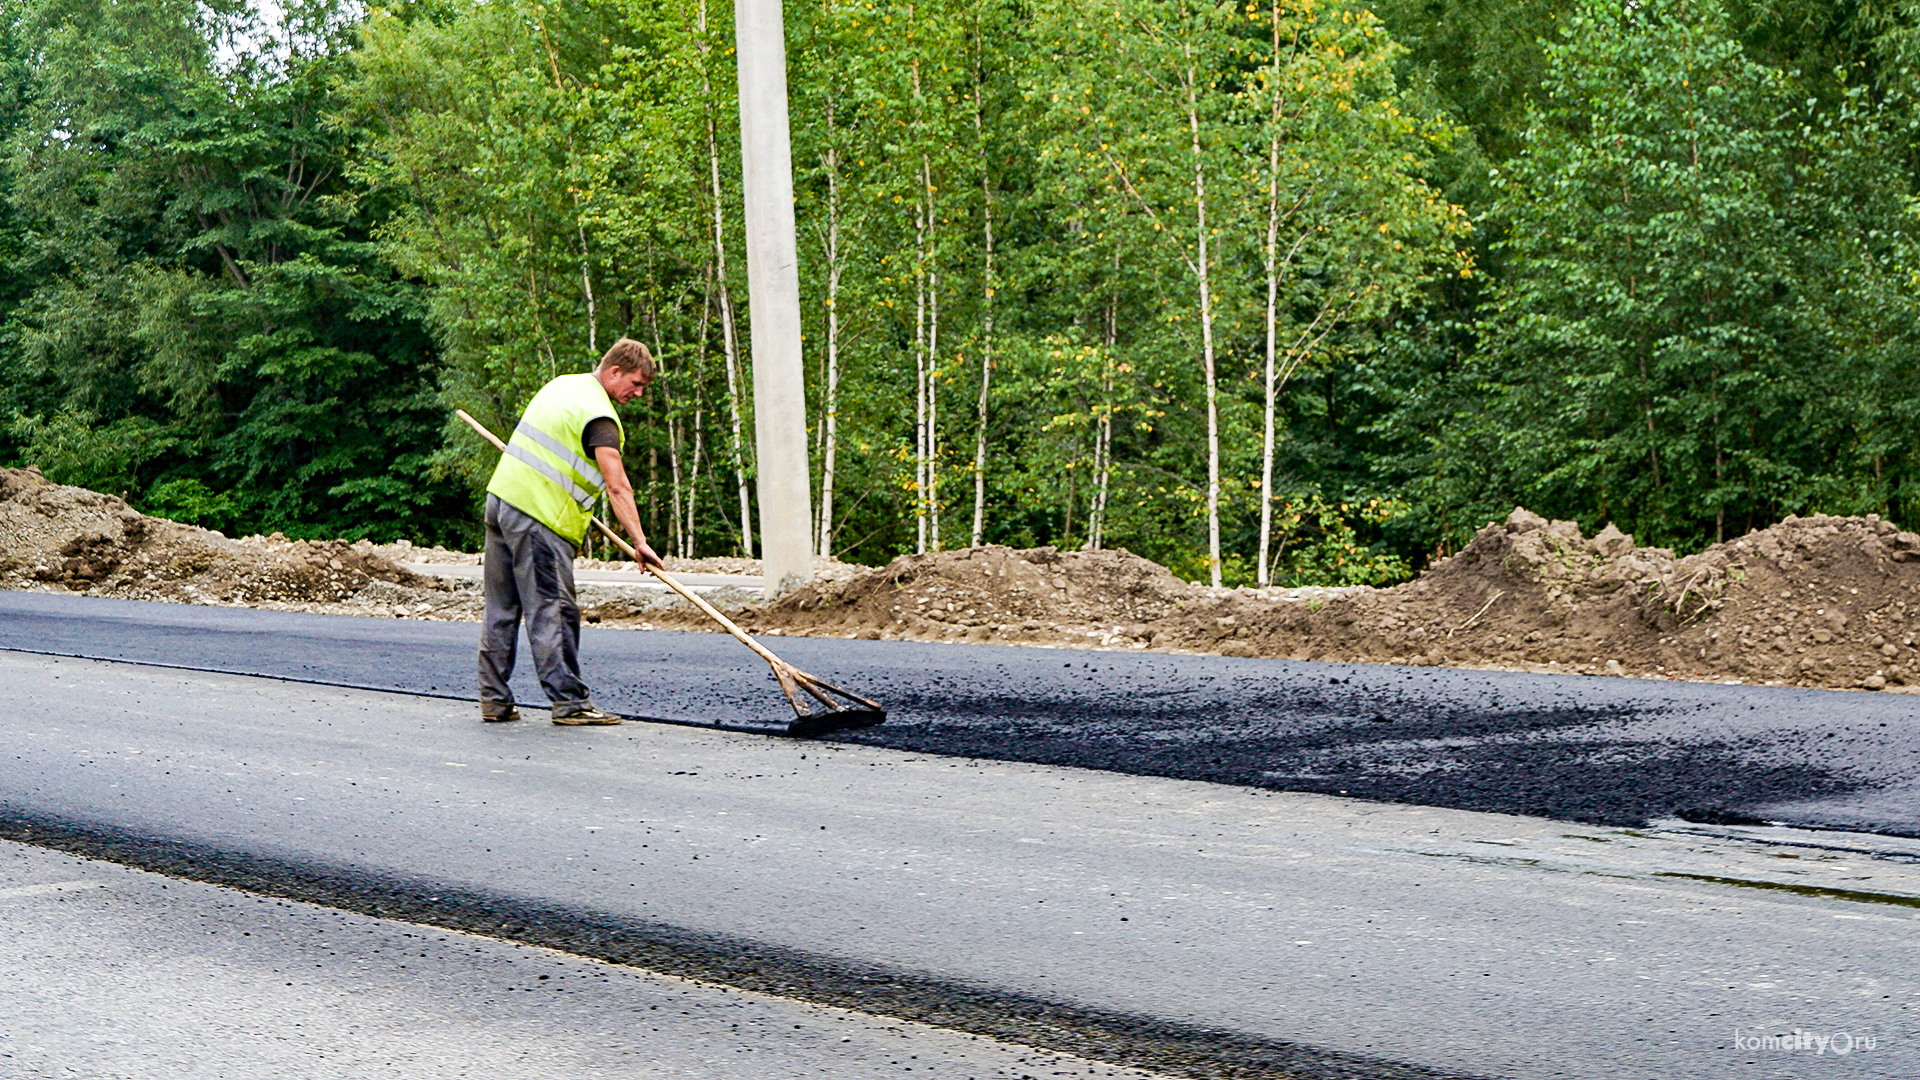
[{"x": 1576, "y": 763}]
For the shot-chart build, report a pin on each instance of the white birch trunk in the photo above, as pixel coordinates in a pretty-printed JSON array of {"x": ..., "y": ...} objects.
[
  {"x": 698, "y": 426},
  {"x": 986, "y": 298},
  {"x": 693, "y": 475},
  {"x": 830, "y": 420},
  {"x": 922, "y": 350},
  {"x": 673, "y": 425},
  {"x": 1202, "y": 272},
  {"x": 727, "y": 333},
  {"x": 1264, "y": 570},
  {"x": 986, "y": 385},
  {"x": 586, "y": 286},
  {"x": 731, "y": 341},
  {"x": 1103, "y": 434},
  {"x": 676, "y": 538},
  {"x": 933, "y": 365},
  {"x": 1102, "y": 472},
  {"x": 919, "y": 378}
]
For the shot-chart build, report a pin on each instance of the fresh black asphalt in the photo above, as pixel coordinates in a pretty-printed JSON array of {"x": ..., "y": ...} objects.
[
  {"x": 1198, "y": 929},
  {"x": 1590, "y": 749},
  {"x": 1131, "y": 919}
]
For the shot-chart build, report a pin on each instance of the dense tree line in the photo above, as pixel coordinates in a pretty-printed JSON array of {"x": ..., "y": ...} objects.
[{"x": 1269, "y": 291}]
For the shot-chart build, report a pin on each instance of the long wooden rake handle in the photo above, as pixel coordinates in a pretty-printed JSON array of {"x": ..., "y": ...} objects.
[{"x": 792, "y": 680}]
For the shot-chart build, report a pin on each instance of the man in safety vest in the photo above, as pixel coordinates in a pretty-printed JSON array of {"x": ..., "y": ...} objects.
[{"x": 563, "y": 455}]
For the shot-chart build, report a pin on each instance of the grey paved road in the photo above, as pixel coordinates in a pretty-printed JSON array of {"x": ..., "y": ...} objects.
[
  {"x": 120, "y": 973},
  {"x": 1194, "y": 925},
  {"x": 1595, "y": 750}
]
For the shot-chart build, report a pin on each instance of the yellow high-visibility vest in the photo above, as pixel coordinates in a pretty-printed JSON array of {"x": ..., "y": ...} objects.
[{"x": 542, "y": 473}]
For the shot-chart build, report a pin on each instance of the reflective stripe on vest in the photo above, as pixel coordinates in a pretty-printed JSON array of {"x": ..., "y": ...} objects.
[
  {"x": 568, "y": 457},
  {"x": 580, "y": 495}
]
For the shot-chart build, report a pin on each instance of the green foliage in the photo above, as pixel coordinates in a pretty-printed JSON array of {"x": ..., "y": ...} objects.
[
  {"x": 1681, "y": 237},
  {"x": 199, "y": 290},
  {"x": 1320, "y": 542},
  {"x": 246, "y": 268},
  {"x": 73, "y": 447},
  {"x": 1483, "y": 58},
  {"x": 552, "y": 163},
  {"x": 188, "y": 499}
]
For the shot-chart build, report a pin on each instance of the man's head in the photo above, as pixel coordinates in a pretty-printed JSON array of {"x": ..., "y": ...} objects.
[{"x": 625, "y": 370}]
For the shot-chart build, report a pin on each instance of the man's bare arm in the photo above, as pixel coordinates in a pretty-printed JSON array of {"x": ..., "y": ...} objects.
[{"x": 620, "y": 496}]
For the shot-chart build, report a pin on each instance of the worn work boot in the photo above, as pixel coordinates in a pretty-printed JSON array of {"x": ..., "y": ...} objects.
[
  {"x": 588, "y": 715},
  {"x": 499, "y": 715}
]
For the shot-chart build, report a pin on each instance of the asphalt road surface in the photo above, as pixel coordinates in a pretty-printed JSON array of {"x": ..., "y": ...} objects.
[
  {"x": 1592, "y": 750},
  {"x": 120, "y": 972},
  {"x": 1196, "y": 928}
]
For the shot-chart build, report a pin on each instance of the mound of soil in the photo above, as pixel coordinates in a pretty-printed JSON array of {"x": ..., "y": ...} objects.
[
  {"x": 1819, "y": 601},
  {"x": 73, "y": 540},
  {"x": 992, "y": 593}
]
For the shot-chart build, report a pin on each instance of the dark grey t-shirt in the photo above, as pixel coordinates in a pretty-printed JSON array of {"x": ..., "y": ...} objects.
[{"x": 599, "y": 432}]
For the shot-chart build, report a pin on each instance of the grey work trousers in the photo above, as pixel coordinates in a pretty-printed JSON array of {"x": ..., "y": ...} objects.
[{"x": 529, "y": 574}]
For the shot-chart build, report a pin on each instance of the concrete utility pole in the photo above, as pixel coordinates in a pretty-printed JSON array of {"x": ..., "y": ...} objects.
[{"x": 773, "y": 293}]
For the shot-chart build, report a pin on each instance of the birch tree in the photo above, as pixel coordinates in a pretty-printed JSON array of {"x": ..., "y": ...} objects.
[
  {"x": 846, "y": 95},
  {"x": 705, "y": 35},
  {"x": 912, "y": 152},
  {"x": 983, "y": 161},
  {"x": 1351, "y": 226},
  {"x": 926, "y": 131},
  {"x": 1140, "y": 96}
]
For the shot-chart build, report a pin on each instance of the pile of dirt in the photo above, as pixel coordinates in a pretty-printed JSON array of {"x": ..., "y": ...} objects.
[
  {"x": 406, "y": 551},
  {"x": 67, "y": 539},
  {"x": 1110, "y": 599},
  {"x": 70, "y": 539},
  {"x": 991, "y": 593},
  {"x": 1818, "y": 601}
]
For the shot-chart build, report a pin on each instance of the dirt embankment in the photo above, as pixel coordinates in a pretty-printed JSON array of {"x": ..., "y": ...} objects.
[
  {"x": 1819, "y": 601},
  {"x": 67, "y": 539},
  {"x": 73, "y": 540}
]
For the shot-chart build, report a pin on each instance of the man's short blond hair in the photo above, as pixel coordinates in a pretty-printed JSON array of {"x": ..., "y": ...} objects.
[{"x": 629, "y": 355}]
